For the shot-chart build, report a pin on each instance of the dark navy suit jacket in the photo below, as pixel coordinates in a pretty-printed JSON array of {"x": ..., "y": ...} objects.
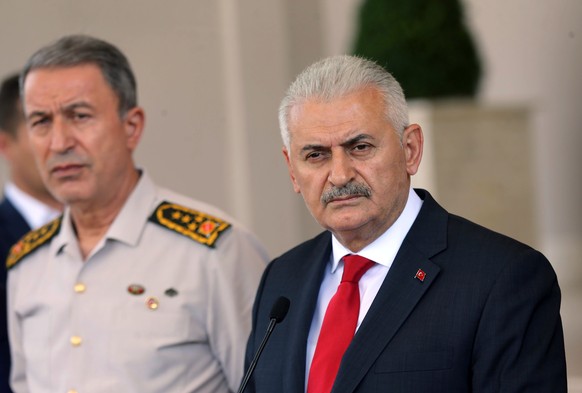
[
  {"x": 12, "y": 228},
  {"x": 485, "y": 318}
]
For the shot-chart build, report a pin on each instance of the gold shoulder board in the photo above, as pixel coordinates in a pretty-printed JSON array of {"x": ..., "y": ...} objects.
[
  {"x": 32, "y": 241},
  {"x": 193, "y": 224}
]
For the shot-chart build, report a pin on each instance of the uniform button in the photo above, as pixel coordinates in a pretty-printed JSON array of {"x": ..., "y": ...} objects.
[
  {"x": 71, "y": 391},
  {"x": 80, "y": 287},
  {"x": 76, "y": 341}
]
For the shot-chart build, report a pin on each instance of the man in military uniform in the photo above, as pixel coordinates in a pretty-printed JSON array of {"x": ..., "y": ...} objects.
[{"x": 135, "y": 288}]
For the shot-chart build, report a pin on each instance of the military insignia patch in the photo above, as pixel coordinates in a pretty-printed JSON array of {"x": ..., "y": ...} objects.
[
  {"x": 198, "y": 226},
  {"x": 32, "y": 241}
]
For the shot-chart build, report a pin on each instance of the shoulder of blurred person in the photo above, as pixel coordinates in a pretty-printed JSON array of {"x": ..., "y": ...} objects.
[{"x": 26, "y": 202}]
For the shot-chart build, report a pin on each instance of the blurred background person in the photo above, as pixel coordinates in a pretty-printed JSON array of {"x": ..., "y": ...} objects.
[{"x": 26, "y": 204}]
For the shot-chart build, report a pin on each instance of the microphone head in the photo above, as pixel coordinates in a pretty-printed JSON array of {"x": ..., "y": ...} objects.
[{"x": 280, "y": 308}]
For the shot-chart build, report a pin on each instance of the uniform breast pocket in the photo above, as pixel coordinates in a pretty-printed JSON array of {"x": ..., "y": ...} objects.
[
  {"x": 37, "y": 338},
  {"x": 414, "y": 361},
  {"x": 138, "y": 336}
]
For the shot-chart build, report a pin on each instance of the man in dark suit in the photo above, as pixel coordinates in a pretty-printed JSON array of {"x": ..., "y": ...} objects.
[
  {"x": 444, "y": 305},
  {"x": 26, "y": 204}
]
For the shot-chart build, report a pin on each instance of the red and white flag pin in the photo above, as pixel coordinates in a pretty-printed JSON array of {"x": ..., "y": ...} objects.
[{"x": 420, "y": 275}]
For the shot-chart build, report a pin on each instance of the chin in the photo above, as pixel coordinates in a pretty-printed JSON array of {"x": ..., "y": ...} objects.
[
  {"x": 69, "y": 196},
  {"x": 346, "y": 225}
]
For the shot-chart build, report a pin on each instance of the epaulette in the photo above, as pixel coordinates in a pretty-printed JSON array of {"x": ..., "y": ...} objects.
[
  {"x": 32, "y": 241},
  {"x": 200, "y": 227}
]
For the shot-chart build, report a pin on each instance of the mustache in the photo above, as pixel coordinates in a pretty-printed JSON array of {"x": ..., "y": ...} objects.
[
  {"x": 350, "y": 189},
  {"x": 67, "y": 158}
]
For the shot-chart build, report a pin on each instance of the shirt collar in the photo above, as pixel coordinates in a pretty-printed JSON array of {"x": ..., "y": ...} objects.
[
  {"x": 34, "y": 212},
  {"x": 129, "y": 223},
  {"x": 383, "y": 250}
]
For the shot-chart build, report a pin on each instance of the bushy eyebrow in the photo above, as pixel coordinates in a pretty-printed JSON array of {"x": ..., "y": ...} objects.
[
  {"x": 35, "y": 114},
  {"x": 356, "y": 139},
  {"x": 75, "y": 105},
  {"x": 66, "y": 109},
  {"x": 350, "y": 142},
  {"x": 313, "y": 147}
]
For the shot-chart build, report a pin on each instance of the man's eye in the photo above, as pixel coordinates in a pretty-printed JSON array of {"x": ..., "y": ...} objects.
[
  {"x": 39, "y": 121},
  {"x": 314, "y": 155},
  {"x": 81, "y": 116},
  {"x": 361, "y": 147}
]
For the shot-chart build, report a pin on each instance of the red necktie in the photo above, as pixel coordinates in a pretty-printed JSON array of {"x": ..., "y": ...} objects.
[{"x": 338, "y": 327}]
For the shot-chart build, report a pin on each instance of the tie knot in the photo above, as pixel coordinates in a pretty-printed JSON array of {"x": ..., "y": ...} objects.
[{"x": 354, "y": 267}]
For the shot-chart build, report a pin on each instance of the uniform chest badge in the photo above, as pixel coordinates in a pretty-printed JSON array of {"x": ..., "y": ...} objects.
[
  {"x": 135, "y": 289},
  {"x": 171, "y": 292},
  {"x": 152, "y": 303}
]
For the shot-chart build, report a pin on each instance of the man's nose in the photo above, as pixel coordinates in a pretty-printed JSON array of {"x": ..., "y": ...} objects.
[
  {"x": 342, "y": 171},
  {"x": 62, "y": 136}
]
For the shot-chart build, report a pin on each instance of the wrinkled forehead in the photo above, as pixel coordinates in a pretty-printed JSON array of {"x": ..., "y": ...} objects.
[
  {"x": 58, "y": 86},
  {"x": 351, "y": 112}
]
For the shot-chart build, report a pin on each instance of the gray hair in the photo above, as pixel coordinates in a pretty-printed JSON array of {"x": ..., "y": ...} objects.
[
  {"x": 76, "y": 50},
  {"x": 337, "y": 76}
]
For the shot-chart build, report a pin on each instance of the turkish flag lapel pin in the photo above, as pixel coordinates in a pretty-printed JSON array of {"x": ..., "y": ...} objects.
[{"x": 420, "y": 275}]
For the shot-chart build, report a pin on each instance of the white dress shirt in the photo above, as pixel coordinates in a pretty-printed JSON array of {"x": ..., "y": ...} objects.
[
  {"x": 35, "y": 213},
  {"x": 382, "y": 251}
]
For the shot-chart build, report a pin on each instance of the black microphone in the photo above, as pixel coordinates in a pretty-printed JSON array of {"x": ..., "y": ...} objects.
[{"x": 278, "y": 313}]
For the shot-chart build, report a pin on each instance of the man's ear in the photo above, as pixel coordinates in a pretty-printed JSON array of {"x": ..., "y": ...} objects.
[
  {"x": 412, "y": 143},
  {"x": 5, "y": 141},
  {"x": 291, "y": 173},
  {"x": 134, "y": 122}
]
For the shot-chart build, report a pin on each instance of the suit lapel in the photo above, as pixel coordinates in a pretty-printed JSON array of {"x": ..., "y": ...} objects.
[
  {"x": 303, "y": 305},
  {"x": 17, "y": 224},
  {"x": 398, "y": 295}
]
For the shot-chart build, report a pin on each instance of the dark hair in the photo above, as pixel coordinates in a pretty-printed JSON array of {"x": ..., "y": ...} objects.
[
  {"x": 76, "y": 50},
  {"x": 10, "y": 109}
]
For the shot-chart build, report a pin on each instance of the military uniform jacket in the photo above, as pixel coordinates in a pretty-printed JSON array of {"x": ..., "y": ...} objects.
[{"x": 161, "y": 305}]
